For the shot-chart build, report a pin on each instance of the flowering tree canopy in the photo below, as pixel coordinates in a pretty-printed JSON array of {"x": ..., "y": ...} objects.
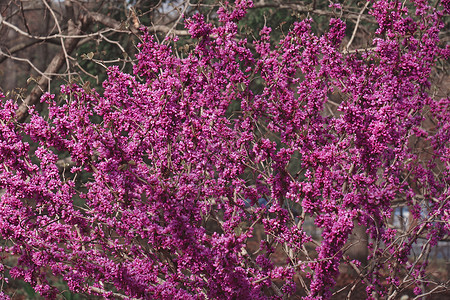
[{"x": 166, "y": 183}]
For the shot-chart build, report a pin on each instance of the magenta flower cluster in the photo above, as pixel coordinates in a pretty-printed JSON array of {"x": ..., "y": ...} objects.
[{"x": 163, "y": 192}]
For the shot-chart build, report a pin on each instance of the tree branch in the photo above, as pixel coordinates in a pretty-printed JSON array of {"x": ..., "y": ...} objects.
[{"x": 56, "y": 63}]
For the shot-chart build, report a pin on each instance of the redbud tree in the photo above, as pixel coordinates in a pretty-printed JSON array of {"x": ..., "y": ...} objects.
[{"x": 168, "y": 184}]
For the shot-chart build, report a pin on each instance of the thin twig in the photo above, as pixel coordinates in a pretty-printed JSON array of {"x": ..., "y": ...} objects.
[{"x": 356, "y": 25}]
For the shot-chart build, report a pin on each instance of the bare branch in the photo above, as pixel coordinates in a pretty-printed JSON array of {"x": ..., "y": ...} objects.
[
  {"x": 178, "y": 20},
  {"x": 53, "y": 67},
  {"x": 27, "y": 61},
  {"x": 60, "y": 32},
  {"x": 17, "y": 48},
  {"x": 116, "y": 25},
  {"x": 301, "y": 8},
  {"x": 356, "y": 25}
]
